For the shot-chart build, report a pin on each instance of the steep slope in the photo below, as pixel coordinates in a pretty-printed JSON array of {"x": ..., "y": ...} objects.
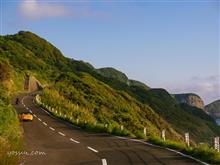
[
  {"x": 104, "y": 105},
  {"x": 112, "y": 73},
  {"x": 213, "y": 109},
  {"x": 10, "y": 134},
  {"x": 29, "y": 54},
  {"x": 190, "y": 99},
  {"x": 78, "y": 84},
  {"x": 181, "y": 117}
]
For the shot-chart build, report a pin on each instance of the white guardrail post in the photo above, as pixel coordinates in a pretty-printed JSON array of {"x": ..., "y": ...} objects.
[
  {"x": 187, "y": 139},
  {"x": 216, "y": 144},
  {"x": 163, "y": 134},
  {"x": 145, "y": 131},
  {"x": 122, "y": 127}
]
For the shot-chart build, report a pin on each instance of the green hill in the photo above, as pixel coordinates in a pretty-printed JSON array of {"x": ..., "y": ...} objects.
[
  {"x": 104, "y": 96},
  {"x": 213, "y": 109},
  {"x": 113, "y": 73}
]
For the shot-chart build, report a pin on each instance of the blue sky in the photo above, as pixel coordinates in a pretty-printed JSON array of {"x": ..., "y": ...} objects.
[{"x": 168, "y": 44}]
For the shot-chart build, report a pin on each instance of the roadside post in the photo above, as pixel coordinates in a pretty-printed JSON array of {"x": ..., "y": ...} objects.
[
  {"x": 187, "y": 138},
  {"x": 163, "y": 134},
  {"x": 122, "y": 127},
  {"x": 216, "y": 144},
  {"x": 145, "y": 131}
]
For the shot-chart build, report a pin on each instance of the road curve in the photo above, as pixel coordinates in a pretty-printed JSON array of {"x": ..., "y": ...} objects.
[{"x": 51, "y": 141}]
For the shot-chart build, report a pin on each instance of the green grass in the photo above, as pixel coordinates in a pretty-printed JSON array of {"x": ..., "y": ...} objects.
[
  {"x": 10, "y": 135},
  {"x": 201, "y": 152},
  {"x": 77, "y": 90},
  {"x": 86, "y": 98}
]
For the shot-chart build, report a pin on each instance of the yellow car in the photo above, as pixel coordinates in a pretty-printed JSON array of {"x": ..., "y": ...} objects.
[{"x": 27, "y": 116}]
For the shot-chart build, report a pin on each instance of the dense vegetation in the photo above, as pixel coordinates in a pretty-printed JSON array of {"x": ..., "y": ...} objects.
[
  {"x": 213, "y": 109},
  {"x": 104, "y": 96},
  {"x": 95, "y": 101},
  {"x": 9, "y": 125}
]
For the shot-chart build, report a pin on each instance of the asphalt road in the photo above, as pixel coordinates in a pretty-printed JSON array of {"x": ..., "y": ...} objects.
[{"x": 50, "y": 141}]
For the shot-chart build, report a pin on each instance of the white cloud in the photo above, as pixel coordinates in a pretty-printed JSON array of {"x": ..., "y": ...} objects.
[{"x": 35, "y": 10}]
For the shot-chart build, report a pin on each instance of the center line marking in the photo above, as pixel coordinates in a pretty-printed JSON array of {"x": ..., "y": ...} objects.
[
  {"x": 74, "y": 140},
  {"x": 30, "y": 111},
  {"x": 44, "y": 123},
  {"x": 104, "y": 162},
  {"x": 61, "y": 134},
  {"x": 39, "y": 119},
  {"x": 92, "y": 149},
  {"x": 52, "y": 128},
  {"x": 35, "y": 115}
]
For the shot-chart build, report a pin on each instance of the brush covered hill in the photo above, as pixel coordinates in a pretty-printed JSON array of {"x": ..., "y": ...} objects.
[
  {"x": 101, "y": 97},
  {"x": 213, "y": 109},
  {"x": 190, "y": 99},
  {"x": 75, "y": 83},
  {"x": 115, "y": 74}
]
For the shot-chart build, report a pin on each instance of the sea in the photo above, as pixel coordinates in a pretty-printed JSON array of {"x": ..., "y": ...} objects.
[{"x": 218, "y": 121}]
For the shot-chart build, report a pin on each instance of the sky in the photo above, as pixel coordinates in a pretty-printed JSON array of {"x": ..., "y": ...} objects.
[{"x": 171, "y": 44}]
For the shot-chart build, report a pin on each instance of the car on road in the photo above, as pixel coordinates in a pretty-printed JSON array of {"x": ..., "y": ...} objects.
[{"x": 25, "y": 116}]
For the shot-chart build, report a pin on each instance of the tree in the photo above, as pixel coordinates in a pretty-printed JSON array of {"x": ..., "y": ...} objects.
[{"x": 5, "y": 71}]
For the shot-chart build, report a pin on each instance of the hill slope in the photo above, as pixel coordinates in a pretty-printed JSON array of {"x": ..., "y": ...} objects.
[
  {"x": 190, "y": 99},
  {"x": 30, "y": 54},
  {"x": 101, "y": 98},
  {"x": 213, "y": 109}
]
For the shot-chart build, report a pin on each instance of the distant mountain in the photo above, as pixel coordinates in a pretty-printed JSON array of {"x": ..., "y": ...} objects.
[
  {"x": 190, "y": 99},
  {"x": 213, "y": 109}
]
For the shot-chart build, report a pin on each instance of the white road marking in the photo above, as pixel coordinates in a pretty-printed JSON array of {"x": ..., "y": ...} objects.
[
  {"x": 45, "y": 111},
  {"x": 44, "y": 123},
  {"x": 61, "y": 133},
  {"x": 74, "y": 141},
  {"x": 52, "y": 128},
  {"x": 35, "y": 115},
  {"x": 30, "y": 111},
  {"x": 92, "y": 149},
  {"x": 184, "y": 155},
  {"x": 104, "y": 162},
  {"x": 39, "y": 119},
  {"x": 27, "y": 108}
]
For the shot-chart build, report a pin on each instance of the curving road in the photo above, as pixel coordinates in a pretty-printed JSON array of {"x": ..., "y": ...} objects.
[{"x": 51, "y": 141}]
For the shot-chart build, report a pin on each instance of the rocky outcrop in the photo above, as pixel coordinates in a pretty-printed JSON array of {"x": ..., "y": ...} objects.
[
  {"x": 32, "y": 84},
  {"x": 213, "y": 109},
  {"x": 190, "y": 99}
]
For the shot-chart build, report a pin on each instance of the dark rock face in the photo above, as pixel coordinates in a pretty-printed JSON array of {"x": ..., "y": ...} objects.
[
  {"x": 213, "y": 109},
  {"x": 32, "y": 84},
  {"x": 190, "y": 99}
]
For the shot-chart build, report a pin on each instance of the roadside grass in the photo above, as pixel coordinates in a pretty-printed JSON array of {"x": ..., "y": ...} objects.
[
  {"x": 10, "y": 137},
  {"x": 201, "y": 152}
]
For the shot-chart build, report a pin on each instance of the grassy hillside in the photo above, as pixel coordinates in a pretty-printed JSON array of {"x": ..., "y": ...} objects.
[
  {"x": 182, "y": 117},
  {"x": 10, "y": 136},
  {"x": 101, "y": 98},
  {"x": 114, "y": 74},
  {"x": 100, "y": 103},
  {"x": 213, "y": 109}
]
